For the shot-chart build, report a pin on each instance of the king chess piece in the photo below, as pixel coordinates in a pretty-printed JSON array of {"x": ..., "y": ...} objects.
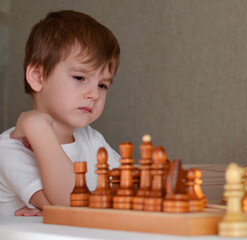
[
  {"x": 234, "y": 222},
  {"x": 146, "y": 149}
]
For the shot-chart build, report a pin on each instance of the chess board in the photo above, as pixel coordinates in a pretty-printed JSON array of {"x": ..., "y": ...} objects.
[
  {"x": 158, "y": 197},
  {"x": 185, "y": 224}
]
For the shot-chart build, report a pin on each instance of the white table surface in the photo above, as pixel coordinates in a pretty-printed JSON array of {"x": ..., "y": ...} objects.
[{"x": 32, "y": 228}]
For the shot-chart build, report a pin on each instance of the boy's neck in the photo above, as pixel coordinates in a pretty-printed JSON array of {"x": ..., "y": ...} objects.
[{"x": 63, "y": 132}]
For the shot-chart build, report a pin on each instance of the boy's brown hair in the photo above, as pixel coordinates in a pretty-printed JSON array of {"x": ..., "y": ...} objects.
[{"x": 52, "y": 39}]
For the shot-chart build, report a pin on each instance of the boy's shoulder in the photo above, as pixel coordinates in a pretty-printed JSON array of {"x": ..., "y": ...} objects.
[
  {"x": 12, "y": 148},
  {"x": 4, "y": 136},
  {"x": 6, "y": 141}
]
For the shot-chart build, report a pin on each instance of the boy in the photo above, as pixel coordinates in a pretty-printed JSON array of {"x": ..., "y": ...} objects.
[{"x": 70, "y": 62}]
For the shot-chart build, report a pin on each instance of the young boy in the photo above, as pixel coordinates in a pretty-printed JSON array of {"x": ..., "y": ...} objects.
[{"x": 70, "y": 62}]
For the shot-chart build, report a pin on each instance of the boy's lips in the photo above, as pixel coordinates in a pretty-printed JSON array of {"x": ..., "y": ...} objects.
[{"x": 86, "y": 109}]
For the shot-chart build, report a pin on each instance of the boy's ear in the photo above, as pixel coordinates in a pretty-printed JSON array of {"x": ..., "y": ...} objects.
[{"x": 34, "y": 76}]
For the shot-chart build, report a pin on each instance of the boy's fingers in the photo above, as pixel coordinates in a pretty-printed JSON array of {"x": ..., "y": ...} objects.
[
  {"x": 40, "y": 214},
  {"x": 15, "y": 134},
  {"x": 20, "y": 211},
  {"x": 31, "y": 212},
  {"x": 12, "y": 134},
  {"x": 25, "y": 211}
]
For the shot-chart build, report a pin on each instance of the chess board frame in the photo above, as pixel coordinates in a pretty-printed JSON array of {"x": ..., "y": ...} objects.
[{"x": 185, "y": 224}]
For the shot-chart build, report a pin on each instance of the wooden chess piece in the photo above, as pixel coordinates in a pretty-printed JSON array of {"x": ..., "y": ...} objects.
[
  {"x": 198, "y": 183},
  {"x": 80, "y": 194},
  {"x": 196, "y": 200},
  {"x": 158, "y": 170},
  {"x": 234, "y": 223},
  {"x": 101, "y": 197},
  {"x": 136, "y": 178},
  {"x": 146, "y": 149},
  {"x": 244, "y": 201},
  {"x": 114, "y": 180},
  {"x": 124, "y": 195},
  {"x": 176, "y": 199}
]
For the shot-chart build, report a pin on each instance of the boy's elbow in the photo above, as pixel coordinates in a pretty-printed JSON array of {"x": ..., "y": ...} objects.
[{"x": 58, "y": 198}]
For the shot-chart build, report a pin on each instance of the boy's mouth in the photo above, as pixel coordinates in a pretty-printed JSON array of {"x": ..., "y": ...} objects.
[{"x": 86, "y": 109}]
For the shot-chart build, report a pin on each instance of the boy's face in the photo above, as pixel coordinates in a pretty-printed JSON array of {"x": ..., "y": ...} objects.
[{"x": 74, "y": 94}]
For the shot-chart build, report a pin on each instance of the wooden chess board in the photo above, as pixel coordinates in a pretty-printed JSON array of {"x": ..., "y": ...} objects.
[
  {"x": 185, "y": 224},
  {"x": 157, "y": 185}
]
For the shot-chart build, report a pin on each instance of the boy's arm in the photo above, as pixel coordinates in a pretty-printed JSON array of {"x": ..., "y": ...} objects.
[
  {"x": 38, "y": 200},
  {"x": 55, "y": 166}
]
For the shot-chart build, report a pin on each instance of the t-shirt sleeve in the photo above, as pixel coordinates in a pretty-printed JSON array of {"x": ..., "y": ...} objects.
[{"x": 19, "y": 171}]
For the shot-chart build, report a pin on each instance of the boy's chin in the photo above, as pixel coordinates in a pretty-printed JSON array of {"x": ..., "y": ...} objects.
[{"x": 81, "y": 124}]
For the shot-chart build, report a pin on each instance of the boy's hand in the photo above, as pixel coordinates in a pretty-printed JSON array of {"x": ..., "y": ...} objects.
[
  {"x": 28, "y": 212},
  {"x": 26, "y": 120}
]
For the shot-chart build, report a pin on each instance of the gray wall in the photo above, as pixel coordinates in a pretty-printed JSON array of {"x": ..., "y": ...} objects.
[
  {"x": 4, "y": 56},
  {"x": 182, "y": 76}
]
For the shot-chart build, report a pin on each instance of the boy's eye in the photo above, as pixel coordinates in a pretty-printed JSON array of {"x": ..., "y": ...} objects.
[
  {"x": 103, "y": 86},
  {"x": 80, "y": 78}
]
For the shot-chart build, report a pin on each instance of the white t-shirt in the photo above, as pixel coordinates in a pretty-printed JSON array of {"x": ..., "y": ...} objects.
[{"x": 19, "y": 170}]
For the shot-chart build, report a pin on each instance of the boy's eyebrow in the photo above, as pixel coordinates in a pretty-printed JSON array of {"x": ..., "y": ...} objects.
[
  {"x": 80, "y": 69},
  {"x": 108, "y": 80}
]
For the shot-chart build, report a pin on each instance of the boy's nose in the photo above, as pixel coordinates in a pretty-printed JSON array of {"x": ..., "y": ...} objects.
[{"x": 92, "y": 93}]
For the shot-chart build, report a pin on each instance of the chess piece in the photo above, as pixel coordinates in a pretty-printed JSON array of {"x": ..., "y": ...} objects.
[
  {"x": 198, "y": 189},
  {"x": 115, "y": 180},
  {"x": 195, "y": 196},
  {"x": 234, "y": 223},
  {"x": 101, "y": 197},
  {"x": 80, "y": 194},
  {"x": 244, "y": 201},
  {"x": 136, "y": 178},
  {"x": 124, "y": 195},
  {"x": 176, "y": 199},
  {"x": 146, "y": 149},
  {"x": 158, "y": 170}
]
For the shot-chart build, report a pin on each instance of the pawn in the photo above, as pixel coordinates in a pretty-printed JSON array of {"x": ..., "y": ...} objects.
[
  {"x": 114, "y": 180},
  {"x": 80, "y": 194},
  {"x": 124, "y": 195},
  {"x": 146, "y": 149},
  {"x": 158, "y": 169},
  {"x": 198, "y": 183},
  {"x": 101, "y": 197},
  {"x": 234, "y": 223},
  {"x": 195, "y": 196}
]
